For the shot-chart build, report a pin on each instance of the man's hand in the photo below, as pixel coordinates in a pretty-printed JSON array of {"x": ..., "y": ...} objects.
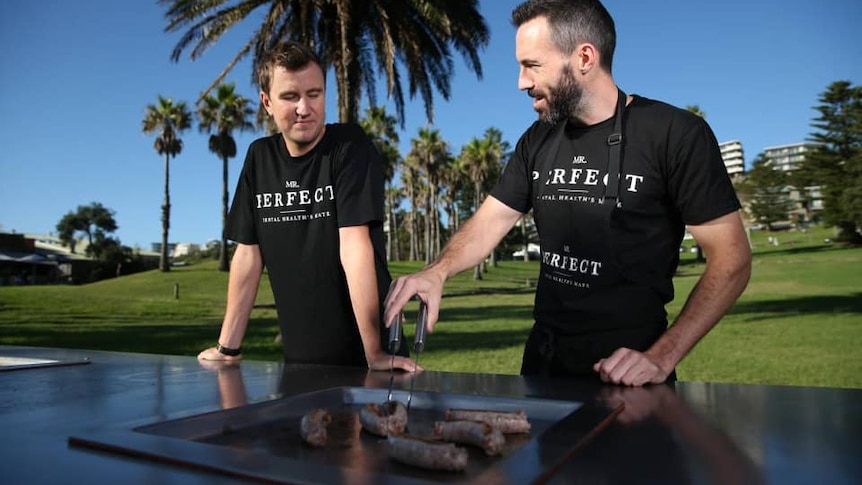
[
  {"x": 630, "y": 368},
  {"x": 466, "y": 248},
  {"x": 212, "y": 353},
  {"x": 427, "y": 284},
  {"x": 384, "y": 361}
]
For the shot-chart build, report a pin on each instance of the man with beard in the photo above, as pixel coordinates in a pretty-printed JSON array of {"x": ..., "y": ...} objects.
[{"x": 612, "y": 180}]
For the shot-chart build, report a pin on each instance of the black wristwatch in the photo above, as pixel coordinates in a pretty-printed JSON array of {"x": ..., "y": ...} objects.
[{"x": 228, "y": 351}]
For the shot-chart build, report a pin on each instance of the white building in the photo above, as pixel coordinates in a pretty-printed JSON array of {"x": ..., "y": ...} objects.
[
  {"x": 787, "y": 157},
  {"x": 808, "y": 201},
  {"x": 185, "y": 249},
  {"x": 733, "y": 156}
]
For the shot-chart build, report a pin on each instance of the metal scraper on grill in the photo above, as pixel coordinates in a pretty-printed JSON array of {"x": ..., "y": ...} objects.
[
  {"x": 394, "y": 346},
  {"x": 418, "y": 343}
]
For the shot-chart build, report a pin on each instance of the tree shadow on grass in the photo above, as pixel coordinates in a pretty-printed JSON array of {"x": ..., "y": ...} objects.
[
  {"x": 466, "y": 315},
  {"x": 790, "y": 250},
  {"x": 478, "y": 340},
  {"x": 793, "y": 306}
]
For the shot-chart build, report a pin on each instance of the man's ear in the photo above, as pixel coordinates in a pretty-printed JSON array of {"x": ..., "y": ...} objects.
[
  {"x": 586, "y": 58},
  {"x": 264, "y": 100}
]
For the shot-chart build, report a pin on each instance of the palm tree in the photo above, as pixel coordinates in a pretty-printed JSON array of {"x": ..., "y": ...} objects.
[
  {"x": 481, "y": 159},
  {"x": 168, "y": 120},
  {"x": 221, "y": 115},
  {"x": 431, "y": 152},
  {"x": 358, "y": 38},
  {"x": 380, "y": 127},
  {"x": 395, "y": 195},
  {"x": 411, "y": 181},
  {"x": 452, "y": 182}
]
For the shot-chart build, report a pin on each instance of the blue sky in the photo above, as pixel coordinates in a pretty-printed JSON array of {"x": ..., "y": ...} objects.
[{"x": 76, "y": 76}]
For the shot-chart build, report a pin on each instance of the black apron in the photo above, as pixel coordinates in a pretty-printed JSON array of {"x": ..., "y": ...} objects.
[{"x": 552, "y": 352}]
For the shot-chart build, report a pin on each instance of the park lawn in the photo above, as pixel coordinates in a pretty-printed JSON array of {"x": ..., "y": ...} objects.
[{"x": 798, "y": 323}]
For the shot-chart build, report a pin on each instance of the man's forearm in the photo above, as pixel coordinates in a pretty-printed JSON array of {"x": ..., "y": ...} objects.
[
  {"x": 475, "y": 240},
  {"x": 357, "y": 259},
  {"x": 727, "y": 272},
  {"x": 708, "y": 302},
  {"x": 243, "y": 282}
]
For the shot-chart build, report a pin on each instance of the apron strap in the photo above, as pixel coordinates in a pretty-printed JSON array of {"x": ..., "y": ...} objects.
[{"x": 615, "y": 142}]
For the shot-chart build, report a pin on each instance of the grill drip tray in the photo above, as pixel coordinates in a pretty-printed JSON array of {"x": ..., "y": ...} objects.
[{"x": 262, "y": 441}]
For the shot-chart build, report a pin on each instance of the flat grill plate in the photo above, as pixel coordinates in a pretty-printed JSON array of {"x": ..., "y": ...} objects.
[
  {"x": 262, "y": 441},
  {"x": 9, "y": 363}
]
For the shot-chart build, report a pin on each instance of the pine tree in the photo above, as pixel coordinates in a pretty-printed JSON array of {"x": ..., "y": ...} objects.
[
  {"x": 766, "y": 188},
  {"x": 836, "y": 164}
]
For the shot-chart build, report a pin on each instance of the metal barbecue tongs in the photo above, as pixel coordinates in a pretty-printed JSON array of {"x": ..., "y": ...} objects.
[
  {"x": 418, "y": 343},
  {"x": 394, "y": 346}
]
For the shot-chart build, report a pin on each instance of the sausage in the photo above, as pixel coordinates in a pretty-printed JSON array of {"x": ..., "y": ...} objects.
[
  {"x": 431, "y": 455},
  {"x": 476, "y": 433},
  {"x": 387, "y": 419},
  {"x": 312, "y": 428},
  {"x": 506, "y": 422}
]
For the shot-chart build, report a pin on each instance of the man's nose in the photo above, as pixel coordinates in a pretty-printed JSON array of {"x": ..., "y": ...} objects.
[
  {"x": 302, "y": 107},
  {"x": 524, "y": 81}
]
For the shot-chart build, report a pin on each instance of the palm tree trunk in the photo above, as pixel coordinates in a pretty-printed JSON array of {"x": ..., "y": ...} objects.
[
  {"x": 477, "y": 272},
  {"x": 414, "y": 255},
  {"x": 388, "y": 189},
  {"x": 164, "y": 262},
  {"x": 222, "y": 253},
  {"x": 394, "y": 229},
  {"x": 429, "y": 225},
  {"x": 346, "y": 70},
  {"x": 427, "y": 235},
  {"x": 436, "y": 222}
]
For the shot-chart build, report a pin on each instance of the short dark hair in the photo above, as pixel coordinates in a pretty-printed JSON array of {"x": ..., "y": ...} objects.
[
  {"x": 289, "y": 55},
  {"x": 573, "y": 22}
]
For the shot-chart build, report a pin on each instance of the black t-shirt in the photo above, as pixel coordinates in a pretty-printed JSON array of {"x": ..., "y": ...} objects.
[
  {"x": 603, "y": 272},
  {"x": 292, "y": 207}
]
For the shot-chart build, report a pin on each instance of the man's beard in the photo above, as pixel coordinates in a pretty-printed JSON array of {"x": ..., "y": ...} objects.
[{"x": 563, "y": 100}]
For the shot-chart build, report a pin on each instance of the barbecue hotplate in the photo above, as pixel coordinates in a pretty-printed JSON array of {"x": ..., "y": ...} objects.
[
  {"x": 262, "y": 441},
  {"x": 9, "y": 363}
]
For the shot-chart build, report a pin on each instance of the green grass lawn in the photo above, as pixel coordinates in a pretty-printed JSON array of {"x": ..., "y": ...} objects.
[{"x": 798, "y": 323}]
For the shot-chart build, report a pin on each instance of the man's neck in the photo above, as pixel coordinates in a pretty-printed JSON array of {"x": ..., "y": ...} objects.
[
  {"x": 600, "y": 102},
  {"x": 300, "y": 149}
]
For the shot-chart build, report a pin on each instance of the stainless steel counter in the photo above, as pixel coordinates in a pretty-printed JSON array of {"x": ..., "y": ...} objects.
[{"x": 691, "y": 433}]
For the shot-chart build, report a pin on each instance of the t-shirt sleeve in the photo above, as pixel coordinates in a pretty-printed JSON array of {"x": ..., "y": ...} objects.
[
  {"x": 515, "y": 185},
  {"x": 699, "y": 182},
  {"x": 359, "y": 181},
  {"x": 241, "y": 225}
]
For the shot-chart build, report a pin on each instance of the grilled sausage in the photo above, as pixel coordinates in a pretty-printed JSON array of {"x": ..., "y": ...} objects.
[
  {"x": 387, "y": 419},
  {"x": 476, "y": 433},
  {"x": 312, "y": 428},
  {"x": 504, "y": 421},
  {"x": 431, "y": 455}
]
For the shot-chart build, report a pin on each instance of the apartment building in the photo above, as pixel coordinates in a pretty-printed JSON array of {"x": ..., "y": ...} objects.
[
  {"x": 787, "y": 157},
  {"x": 808, "y": 200},
  {"x": 733, "y": 156}
]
